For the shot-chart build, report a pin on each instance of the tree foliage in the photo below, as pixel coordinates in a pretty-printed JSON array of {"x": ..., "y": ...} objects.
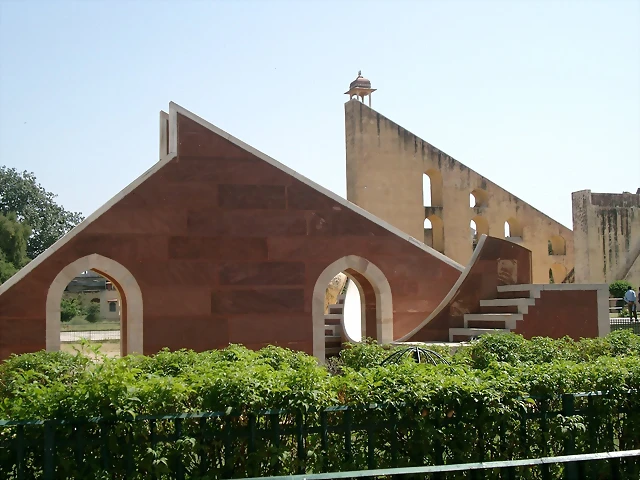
[
  {"x": 70, "y": 307},
  {"x": 20, "y": 193},
  {"x": 92, "y": 312},
  {"x": 618, "y": 288},
  {"x": 13, "y": 245}
]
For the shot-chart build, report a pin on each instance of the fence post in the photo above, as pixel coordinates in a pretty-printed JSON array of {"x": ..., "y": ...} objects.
[
  {"x": 20, "y": 452},
  {"x": 324, "y": 438},
  {"x": 275, "y": 438},
  {"x": 347, "y": 419},
  {"x": 568, "y": 410},
  {"x": 49, "y": 445},
  {"x": 300, "y": 441},
  {"x": 371, "y": 432}
]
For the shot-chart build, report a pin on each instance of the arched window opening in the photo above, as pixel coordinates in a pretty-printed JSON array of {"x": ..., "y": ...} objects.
[
  {"x": 357, "y": 305},
  {"x": 512, "y": 228},
  {"x": 474, "y": 234},
  {"x": 69, "y": 302},
  {"x": 426, "y": 190},
  {"x": 342, "y": 311},
  {"x": 428, "y": 232},
  {"x": 478, "y": 198},
  {"x": 87, "y": 312},
  {"x": 479, "y": 226},
  {"x": 434, "y": 236},
  {"x": 432, "y": 188},
  {"x": 557, "y": 273},
  {"x": 557, "y": 245}
]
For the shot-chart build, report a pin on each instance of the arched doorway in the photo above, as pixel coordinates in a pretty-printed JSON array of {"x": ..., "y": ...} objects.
[
  {"x": 376, "y": 309},
  {"x": 131, "y": 332}
]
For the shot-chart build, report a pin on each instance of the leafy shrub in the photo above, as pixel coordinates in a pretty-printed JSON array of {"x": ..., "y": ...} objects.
[
  {"x": 485, "y": 388},
  {"x": 92, "y": 312},
  {"x": 618, "y": 288},
  {"x": 70, "y": 308},
  {"x": 364, "y": 354}
]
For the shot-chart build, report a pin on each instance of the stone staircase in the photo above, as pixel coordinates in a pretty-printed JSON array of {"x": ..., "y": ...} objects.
[
  {"x": 496, "y": 315},
  {"x": 333, "y": 328}
]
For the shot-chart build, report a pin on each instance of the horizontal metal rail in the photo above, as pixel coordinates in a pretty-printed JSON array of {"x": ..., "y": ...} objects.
[{"x": 460, "y": 467}]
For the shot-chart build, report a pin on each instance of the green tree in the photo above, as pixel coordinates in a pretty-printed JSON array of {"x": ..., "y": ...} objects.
[
  {"x": 14, "y": 236},
  {"x": 70, "y": 308},
  {"x": 21, "y": 194},
  {"x": 618, "y": 288},
  {"x": 93, "y": 312}
]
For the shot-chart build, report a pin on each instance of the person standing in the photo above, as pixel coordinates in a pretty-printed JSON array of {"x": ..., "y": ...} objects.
[{"x": 630, "y": 299}]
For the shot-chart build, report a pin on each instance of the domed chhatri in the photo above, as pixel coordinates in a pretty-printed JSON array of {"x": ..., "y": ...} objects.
[
  {"x": 360, "y": 88},
  {"x": 360, "y": 81}
]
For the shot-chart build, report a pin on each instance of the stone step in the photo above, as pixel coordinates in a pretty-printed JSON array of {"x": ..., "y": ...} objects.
[
  {"x": 332, "y": 316},
  {"x": 473, "y": 332},
  {"x": 515, "y": 294},
  {"x": 336, "y": 308},
  {"x": 501, "y": 304},
  {"x": 333, "y": 330},
  {"x": 508, "y": 319},
  {"x": 331, "y": 351},
  {"x": 519, "y": 291},
  {"x": 332, "y": 341},
  {"x": 493, "y": 316},
  {"x": 333, "y": 321},
  {"x": 340, "y": 299},
  {"x": 499, "y": 309}
]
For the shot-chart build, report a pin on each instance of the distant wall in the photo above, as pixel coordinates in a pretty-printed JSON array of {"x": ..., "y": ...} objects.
[
  {"x": 607, "y": 237},
  {"x": 385, "y": 168}
]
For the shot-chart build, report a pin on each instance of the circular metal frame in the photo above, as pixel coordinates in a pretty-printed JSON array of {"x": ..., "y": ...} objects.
[{"x": 419, "y": 354}]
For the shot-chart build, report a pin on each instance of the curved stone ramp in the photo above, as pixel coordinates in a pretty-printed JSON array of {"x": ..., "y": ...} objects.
[{"x": 494, "y": 262}]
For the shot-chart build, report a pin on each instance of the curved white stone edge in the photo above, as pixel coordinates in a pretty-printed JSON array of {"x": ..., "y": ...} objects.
[
  {"x": 175, "y": 109},
  {"x": 381, "y": 287},
  {"x": 445, "y": 301},
  {"x": 130, "y": 291}
]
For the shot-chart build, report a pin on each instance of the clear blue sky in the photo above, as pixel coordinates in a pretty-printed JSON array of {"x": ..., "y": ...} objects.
[{"x": 541, "y": 97}]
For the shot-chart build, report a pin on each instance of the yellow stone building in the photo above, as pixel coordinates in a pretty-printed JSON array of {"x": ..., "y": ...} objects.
[{"x": 387, "y": 167}]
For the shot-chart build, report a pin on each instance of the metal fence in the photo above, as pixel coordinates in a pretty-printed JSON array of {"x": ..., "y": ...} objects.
[
  {"x": 91, "y": 335},
  {"x": 624, "y": 323},
  {"x": 284, "y": 442}
]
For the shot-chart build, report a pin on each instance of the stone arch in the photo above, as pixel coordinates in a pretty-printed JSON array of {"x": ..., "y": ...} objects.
[
  {"x": 436, "y": 235},
  {"x": 369, "y": 278},
  {"x": 479, "y": 226},
  {"x": 131, "y": 332},
  {"x": 557, "y": 245},
  {"x": 478, "y": 198},
  {"x": 557, "y": 273},
  {"x": 435, "y": 181},
  {"x": 512, "y": 228}
]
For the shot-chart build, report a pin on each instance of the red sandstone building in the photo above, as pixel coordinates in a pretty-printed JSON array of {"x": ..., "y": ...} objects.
[{"x": 218, "y": 243}]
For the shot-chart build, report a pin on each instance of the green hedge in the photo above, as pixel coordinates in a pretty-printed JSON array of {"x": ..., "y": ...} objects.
[{"x": 487, "y": 404}]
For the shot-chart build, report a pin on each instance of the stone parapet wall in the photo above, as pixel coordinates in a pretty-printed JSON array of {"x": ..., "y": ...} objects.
[{"x": 607, "y": 237}]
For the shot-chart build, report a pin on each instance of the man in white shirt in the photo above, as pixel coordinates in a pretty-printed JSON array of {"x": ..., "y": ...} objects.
[{"x": 630, "y": 299}]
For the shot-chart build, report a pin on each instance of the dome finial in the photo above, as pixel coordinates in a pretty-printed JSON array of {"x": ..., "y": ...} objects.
[{"x": 359, "y": 73}]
